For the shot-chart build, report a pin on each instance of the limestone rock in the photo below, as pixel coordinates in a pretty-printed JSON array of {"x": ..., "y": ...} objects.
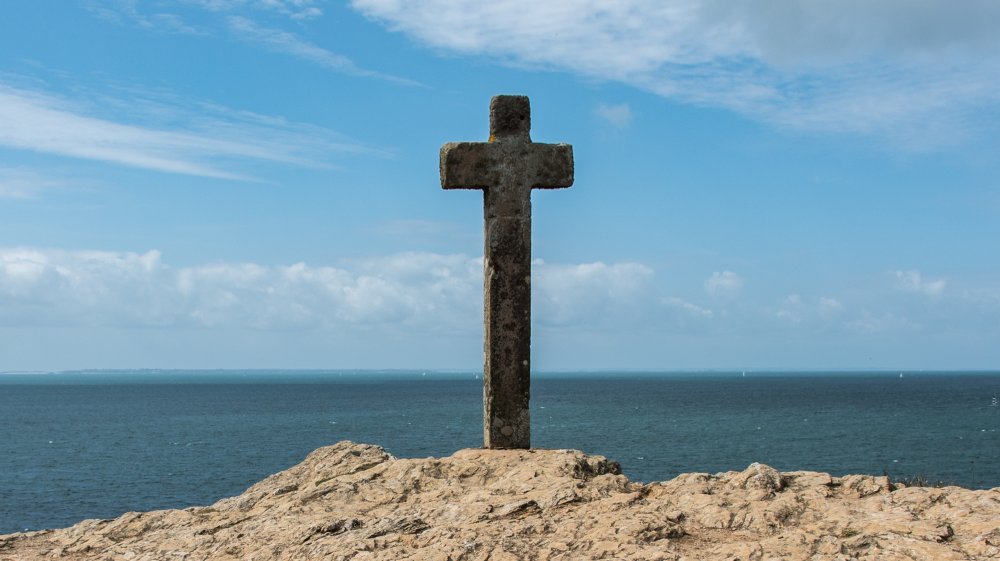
[{"x": 355, "y": 501}]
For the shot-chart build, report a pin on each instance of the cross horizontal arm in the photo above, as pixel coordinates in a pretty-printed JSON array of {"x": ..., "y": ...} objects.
[
  {"x": 479, "y": 165},
  {"x": 551, "y": 166},
  {"x": 464, "y": 165}
]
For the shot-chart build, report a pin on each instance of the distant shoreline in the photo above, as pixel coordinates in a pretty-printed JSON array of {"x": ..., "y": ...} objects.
[
  {"x": 757, "y": 371},
  {"x": 313, "y": 375}
]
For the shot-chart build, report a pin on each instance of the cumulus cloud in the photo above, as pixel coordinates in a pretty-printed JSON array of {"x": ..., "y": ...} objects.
[
  {"x": 686, "y": 308},
  {"x": 790, "y": 309},
  {"x": 209, "y": 143},
  {"x": 427, "y": 298},
  {"x": 83, "y": 287},
  {"x": 130, "y": 289},
  {"x": 588, "y": 292},
  {"x": 726, "y": 283},
  {"x": 419, "y": 291},
  {"x": 907, "y": 68},
  {"x": 912, "y": 281},
  {"x": 829, "y": 306},
  {"x": 679, "y": 315},
  {"x": 619, "y": 116},
  {"x": 796, "y": 310}
]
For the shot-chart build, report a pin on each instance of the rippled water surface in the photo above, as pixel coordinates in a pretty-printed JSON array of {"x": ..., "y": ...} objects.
[{"x": 97, "y": 444}]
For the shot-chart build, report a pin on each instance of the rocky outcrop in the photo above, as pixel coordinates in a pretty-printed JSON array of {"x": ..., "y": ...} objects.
[{"x": 355, "y": 501}]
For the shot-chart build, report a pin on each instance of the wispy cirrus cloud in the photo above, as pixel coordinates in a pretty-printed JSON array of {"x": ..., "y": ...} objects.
[
  {"x": 295, "y": 9},
  {"x": 284, "y": 42},
  {"x": 242, "y": 18},
  {"x": 127, "y": 11},
  {"x": 156, "y": 17},
  {"x": 618, "y": 116},
  {"x": 23, "y": 183},
  {"x": 212, "y": 142},
  {"x": 910, "y": 70}
]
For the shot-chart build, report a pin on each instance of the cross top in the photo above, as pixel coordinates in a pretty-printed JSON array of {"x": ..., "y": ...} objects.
[
  {"x": 510, "y": 164},
  {"x": 510, "y": 115},
  {"x": 507, "y": 168}
]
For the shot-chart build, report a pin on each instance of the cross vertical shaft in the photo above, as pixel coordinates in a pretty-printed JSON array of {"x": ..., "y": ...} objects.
[{"x": 506, "y": 168}]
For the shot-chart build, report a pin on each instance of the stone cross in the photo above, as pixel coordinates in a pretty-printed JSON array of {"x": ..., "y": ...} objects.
[{"x": 507, "y": 168}]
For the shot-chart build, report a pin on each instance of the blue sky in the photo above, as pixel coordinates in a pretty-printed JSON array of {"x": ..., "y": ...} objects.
[{"x": 254, "y": 183}]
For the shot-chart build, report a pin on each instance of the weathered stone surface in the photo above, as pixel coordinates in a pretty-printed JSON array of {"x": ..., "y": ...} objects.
[
  {"x": 354, "y": 501},
  {"x": 507, "y": 168}
]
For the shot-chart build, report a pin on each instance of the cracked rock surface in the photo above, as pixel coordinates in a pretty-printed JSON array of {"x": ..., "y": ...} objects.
[{"x": 355, "y": 501}]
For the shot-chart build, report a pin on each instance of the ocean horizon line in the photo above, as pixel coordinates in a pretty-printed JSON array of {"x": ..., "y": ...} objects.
[{"x": 557, "y": 372}]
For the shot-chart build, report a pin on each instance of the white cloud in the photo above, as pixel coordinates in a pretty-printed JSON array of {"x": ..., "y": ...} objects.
[
  {"x": 295, "y": 9},
  {"x": 829, "y": 307},
  {"x": 912, "y": 281},
  {"x": 909, "y": 69},
  {"x": 790, "y": 310},
  {"x": 415, "y": 291},
  {"x": 726, "y": 283},
  {"x": 872, "y": 324},
  {"x": 422, "y": 299},
  {"x": 687, "y": 309},
  {"x": 280, "y": 41},
  {"x": 130, "y": 289},
  {"x": 796, "y": 310},
  {"x": 619, "y": 116},
  {"x": 240, "y": 17},
  {"x": 84, "y": 287},
  {"x": 589, "y": 292},
  {"x": 20, "y": 183},
  {"x": 204, "y": 144},
  {"x": 121, "y": 11}
]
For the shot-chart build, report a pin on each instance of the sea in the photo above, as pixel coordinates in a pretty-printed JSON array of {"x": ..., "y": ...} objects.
[{"x": 96, "y": 444}]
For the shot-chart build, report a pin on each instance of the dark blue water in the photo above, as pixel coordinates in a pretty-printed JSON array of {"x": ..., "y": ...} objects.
[{"x": 95, "y": 445}]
